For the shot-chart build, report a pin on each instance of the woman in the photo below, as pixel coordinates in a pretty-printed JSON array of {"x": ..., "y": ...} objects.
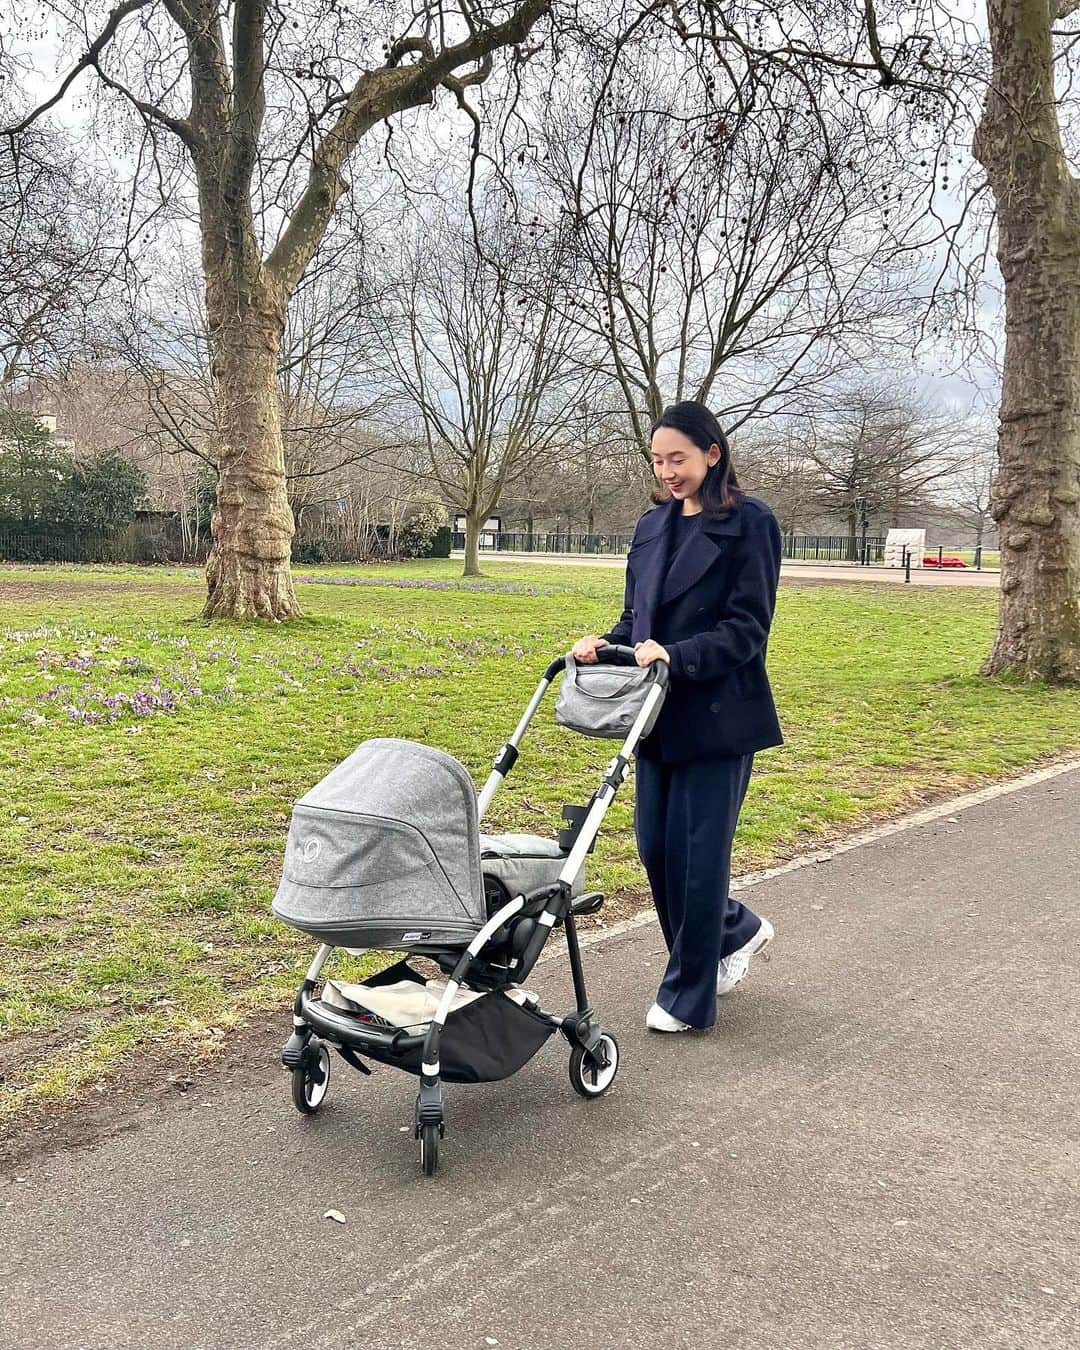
[{"x": 701, "y": 580}]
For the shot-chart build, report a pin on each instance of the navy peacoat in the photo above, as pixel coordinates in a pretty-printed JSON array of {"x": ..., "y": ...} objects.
[{"x": 711, "y": 607}]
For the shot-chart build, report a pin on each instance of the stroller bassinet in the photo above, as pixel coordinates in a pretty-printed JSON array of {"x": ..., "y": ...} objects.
[{"x": 385, "y": 852}]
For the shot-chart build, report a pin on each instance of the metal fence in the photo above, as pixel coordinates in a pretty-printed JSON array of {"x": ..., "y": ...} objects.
[
  {"x": 31, "y": 546},
  {"x": 546, "y": 542},
  {"x": 847, "y": 548},
  {"x": 141, "y": 543},
  {"x": 807, "y": 547},
  {"x": 162, "y": 542}
]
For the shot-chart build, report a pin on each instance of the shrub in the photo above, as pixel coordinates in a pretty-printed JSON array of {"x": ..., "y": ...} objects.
[
  {"x": 440, "y": 545},
  {"x": 101, "y": 494},
  {"x": 416, "y": 536},
  {"x": 312, "y": 551}
]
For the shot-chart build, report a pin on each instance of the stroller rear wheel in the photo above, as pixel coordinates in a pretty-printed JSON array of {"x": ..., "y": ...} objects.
[
  {"x": 592, "y": 1072},
  {"x": 311, "y": 1081},
  {"x": 429, "y": 1149}
]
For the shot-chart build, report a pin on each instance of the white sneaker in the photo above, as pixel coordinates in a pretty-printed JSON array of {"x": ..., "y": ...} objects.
[
  {"x": 734, "y": 968},
  {"x": 656, "y": 1019}
]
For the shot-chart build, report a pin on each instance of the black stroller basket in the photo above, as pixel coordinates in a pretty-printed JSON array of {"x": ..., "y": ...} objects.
[{"x": 386, "y": 852}]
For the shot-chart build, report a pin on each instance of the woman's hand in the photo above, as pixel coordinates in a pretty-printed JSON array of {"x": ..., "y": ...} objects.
[
  {"x": 585, "y": 649},
  {"x": 645, "y": 653}
]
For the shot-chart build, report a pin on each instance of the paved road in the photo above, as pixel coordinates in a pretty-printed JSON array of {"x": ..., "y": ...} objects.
[
  {"x": 791, "y": 570},
  {"x": 876, "y": 1149}
]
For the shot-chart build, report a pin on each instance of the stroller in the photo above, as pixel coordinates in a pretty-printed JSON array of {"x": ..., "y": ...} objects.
[{"x": 386, "y": 853}]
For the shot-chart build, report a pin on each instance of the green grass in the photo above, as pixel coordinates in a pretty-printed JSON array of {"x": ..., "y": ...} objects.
[
  {"x": 139, "y": 849},
  {"x": 991, "y": 557}
]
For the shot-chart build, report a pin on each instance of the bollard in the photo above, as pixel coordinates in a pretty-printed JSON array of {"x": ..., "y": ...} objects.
[
  {"x": 907, "y": 566},
  {"x": 978, "y": 558},
  {"x": 940, "y": 555}
]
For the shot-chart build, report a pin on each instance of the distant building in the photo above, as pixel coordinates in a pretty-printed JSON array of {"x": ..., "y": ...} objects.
[{"x": 491, "y": 527}]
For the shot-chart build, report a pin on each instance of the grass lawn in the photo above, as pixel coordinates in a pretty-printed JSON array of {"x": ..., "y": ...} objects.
[
  {"x": 149, "y": 762},
  {"x": 991, "y": 557}
]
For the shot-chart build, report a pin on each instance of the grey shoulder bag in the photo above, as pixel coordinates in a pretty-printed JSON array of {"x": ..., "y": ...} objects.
[{"x": 604, "y": 700}]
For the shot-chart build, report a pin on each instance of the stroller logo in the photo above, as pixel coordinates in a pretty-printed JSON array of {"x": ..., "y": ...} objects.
[
  {"x": 416, "y": 935},
  {"x": 311, "y": 850}
]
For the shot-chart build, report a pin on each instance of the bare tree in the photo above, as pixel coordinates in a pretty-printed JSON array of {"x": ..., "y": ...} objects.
[
  {"x": 254, "y": 160},
  {"x": 771, "y": 458},
  {"x": 593, "y": 482},
  {"x": 970, "y": 494},
  {"x": 876, "y": 456},
  {"x": 730, "y": 247},
  {"x": 326, "y": 389},
  {"x": 58, "y": 251},
  {"x": 484, "y": 358},
  {"x": 1036, "y": 499},
  {"x": 926, "y": 61}
]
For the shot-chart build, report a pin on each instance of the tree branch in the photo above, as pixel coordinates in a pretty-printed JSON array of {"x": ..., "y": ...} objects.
[
  {"x": 90, "y": 59},
  {"x": 248, "y": 99},
  {"x": 177, "y": 125},
  {"x": 377, "y": 95}
]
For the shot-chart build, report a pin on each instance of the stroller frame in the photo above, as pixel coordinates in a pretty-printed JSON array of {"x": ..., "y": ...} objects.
[{"x": 533, "y": 916}]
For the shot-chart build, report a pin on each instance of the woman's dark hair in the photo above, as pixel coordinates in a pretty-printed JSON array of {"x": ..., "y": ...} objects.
[{"x": 720, "y": 492}]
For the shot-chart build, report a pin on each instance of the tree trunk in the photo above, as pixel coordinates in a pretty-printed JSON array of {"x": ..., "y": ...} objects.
[
  {"x": 473, "y": 525},
  {"x": 248, "y": 573},
  {"x": 1036, "y": 495},
  {"x": 852, "y": 535}
]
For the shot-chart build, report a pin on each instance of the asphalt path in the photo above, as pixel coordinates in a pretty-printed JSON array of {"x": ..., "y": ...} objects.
[
  {"x": 875, "y": 1149},
  {"x": 791, "y": 569}
]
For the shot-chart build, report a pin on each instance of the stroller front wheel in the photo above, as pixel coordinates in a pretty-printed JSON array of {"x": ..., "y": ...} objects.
[
  {"x": 593, "y": 1072},
  {"x": 311, "y": 1081},
  {"x": 429, "y": 1149}
]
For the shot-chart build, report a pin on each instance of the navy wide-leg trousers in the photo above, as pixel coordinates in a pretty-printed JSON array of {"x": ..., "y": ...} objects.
[{"x": 685, "y": 817}]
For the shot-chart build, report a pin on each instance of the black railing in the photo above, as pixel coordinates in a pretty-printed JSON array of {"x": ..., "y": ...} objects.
[
  {"x": 806, "y": 547},
  {"x": 835, "y": 548},
  {"x": 31, "y": 546},
  {"x": 138, "y": 543},
  {"x": 546, "y": 541}
]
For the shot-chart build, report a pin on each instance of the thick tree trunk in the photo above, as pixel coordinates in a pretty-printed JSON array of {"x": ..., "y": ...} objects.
[
  {"x": 1036, "y": 496},
  {"x": 248, "y": 574}
]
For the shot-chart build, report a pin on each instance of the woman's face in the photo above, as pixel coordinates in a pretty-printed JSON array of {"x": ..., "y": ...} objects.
[{"x": 678, "y": 463}]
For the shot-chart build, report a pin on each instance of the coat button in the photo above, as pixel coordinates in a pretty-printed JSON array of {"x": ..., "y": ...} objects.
[
  {"x": 691, "y": 670},
  {"x": 716, "y": 707}
]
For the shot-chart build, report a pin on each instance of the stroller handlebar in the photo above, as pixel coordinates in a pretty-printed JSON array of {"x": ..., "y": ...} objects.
[{"x": 611, "y": 654}]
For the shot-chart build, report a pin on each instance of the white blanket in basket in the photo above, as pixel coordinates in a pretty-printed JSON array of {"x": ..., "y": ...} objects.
[{"x": 405, "y": 1003}]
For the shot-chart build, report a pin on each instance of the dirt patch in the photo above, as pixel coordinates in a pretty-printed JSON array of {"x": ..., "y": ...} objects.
[
  {"x": 34, "y": 592},
  {"x": 147, "y": 1082},
  {"x": 14, "y": 1052}
]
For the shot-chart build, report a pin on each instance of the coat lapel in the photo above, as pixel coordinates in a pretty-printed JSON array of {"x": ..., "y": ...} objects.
[
  {"x": 650, "y": 559},
  {"x": 698, "y": 554}
]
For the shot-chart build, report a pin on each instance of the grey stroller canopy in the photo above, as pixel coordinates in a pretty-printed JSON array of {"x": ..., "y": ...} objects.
[{"x": 385, "y": 852}]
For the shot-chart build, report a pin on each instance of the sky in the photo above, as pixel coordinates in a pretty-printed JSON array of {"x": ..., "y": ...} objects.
[{"x": 969, "y": 387}]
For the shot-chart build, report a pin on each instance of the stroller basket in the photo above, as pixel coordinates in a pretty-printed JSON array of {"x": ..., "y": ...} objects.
[{"x": 488, "y": 1039}]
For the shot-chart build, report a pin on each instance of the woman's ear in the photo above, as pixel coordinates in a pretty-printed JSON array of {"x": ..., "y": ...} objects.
[{"x": 713, "y": 454}]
